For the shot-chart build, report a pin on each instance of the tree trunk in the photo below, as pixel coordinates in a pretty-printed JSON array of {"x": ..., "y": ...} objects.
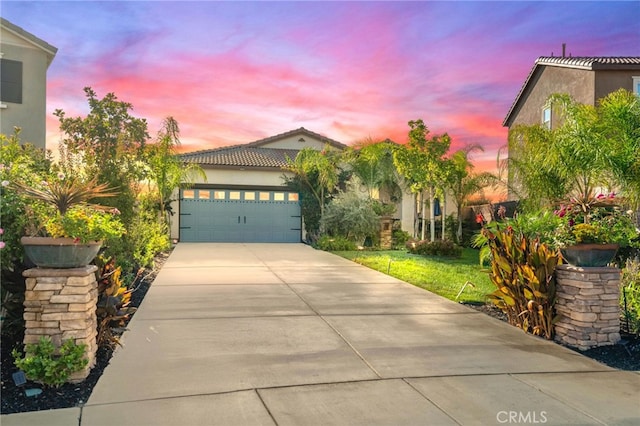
[
  {"x": 432, "y": 214},
  {"x": 424, "y": 215},
  {"x": 459, "y": 219},
  {"x": 443, "y": 213}
]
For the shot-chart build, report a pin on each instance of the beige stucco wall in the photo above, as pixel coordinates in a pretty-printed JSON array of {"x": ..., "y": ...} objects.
[
  {"x": 584, "y": 86},
  {"x": 610, "y": 81},
  {"x": 293, "y": 142},
  {"x": 30, "y": 115},
  {"x": 580, "y": 84}
]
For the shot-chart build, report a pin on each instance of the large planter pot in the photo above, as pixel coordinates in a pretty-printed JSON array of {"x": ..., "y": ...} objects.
[
  {"x": 589, "y": 255},
  {"x": 47, "y": 252}
]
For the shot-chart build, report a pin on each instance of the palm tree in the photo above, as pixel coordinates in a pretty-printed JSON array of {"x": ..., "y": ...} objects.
[
  {"x": 463, "y": 182},
  {"x": 166, "y": 170},
  {"x": 317, "y": 171},
  {"x": 372, "y": 163}
]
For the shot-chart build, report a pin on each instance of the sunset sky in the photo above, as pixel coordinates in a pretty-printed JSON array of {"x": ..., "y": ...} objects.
[{"x": 236, "y": 72}]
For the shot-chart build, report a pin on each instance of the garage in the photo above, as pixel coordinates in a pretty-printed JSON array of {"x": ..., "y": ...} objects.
[
  {"x": 240, "y": 216},
  {"x": 242, "y": 196}
]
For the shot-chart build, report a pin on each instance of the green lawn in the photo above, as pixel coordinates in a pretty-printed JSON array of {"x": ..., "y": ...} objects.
[{"x": 441, "y": 275}]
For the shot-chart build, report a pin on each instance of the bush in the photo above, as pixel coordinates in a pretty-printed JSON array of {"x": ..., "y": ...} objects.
[
  {"x": 399, "y": 238},
  {"x": 630, "y": 297},
  {"x": 537, "y": 224},
  {"x": 328, "y": 243},
  {"x": 44, "y": 364},
  {"x": 23, "y": 163},
  {"x": 350, "y": 216},
  {"x": 146, "y": 236},
  {"x": 434, "y": 248}
]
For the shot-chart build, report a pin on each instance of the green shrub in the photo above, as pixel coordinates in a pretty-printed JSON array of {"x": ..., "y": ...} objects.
[
  {"x": 351, "y": 216},
  {"x": 43, "y": 363},
  {"x": 18, "y": 162},
  {"x": 445, "y": 248},
  {"x": 630, "y": 295},
  {"x": 399, "y": 238},
  {"x": 538, "y": 224},
  {"x": 146, "y": 236},
  {"x": 328, "y": 243}
]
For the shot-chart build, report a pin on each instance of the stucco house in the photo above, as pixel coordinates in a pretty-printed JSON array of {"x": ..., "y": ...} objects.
[
  {"x": 244, "y": 198},
  {"x": 24, "y": 60},
  {"x": 586, "y": 79}
]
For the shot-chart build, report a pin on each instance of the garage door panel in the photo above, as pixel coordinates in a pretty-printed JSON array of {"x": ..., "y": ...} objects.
[{"x": 239, "y": 216}]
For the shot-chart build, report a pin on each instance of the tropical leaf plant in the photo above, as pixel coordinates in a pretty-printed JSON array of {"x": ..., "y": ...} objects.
[{"x": 522, "y": 271}]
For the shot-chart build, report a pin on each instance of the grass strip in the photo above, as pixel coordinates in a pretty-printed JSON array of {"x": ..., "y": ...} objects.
[{"x": 441, "y": 275}]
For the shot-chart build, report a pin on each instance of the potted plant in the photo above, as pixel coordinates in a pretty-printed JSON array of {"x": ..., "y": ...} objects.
[
  {"x": 590, "y": 233},
  {"x": 66, "y": 230}
]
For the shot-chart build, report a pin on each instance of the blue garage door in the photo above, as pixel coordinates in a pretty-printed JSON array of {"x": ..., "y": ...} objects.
[{"x": 239, "y": 216}]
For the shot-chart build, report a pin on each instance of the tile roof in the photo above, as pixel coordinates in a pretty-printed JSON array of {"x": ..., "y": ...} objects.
[
  {"x": 241, "y": 156},
  {"x": 301, "y": 130},
  {"x": 590, "y": 63},
  {"x": 254, "y": 154}
]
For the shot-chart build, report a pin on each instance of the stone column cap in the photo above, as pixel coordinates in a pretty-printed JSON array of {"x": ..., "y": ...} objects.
[
  {"x": 589, "y": 269},
  {"x": 60, "y": 272}
]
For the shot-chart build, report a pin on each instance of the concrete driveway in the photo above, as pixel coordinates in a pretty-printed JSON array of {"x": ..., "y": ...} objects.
[{"x": 282, "y": 334}]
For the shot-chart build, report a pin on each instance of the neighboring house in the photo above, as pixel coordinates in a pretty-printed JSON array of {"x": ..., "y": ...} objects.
[
  {"x": 24, "y": 59},
  {"x": 586, "y": 79}
]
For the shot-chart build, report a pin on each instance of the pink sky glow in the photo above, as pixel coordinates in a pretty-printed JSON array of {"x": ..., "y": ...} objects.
[{"x": 236, "y": 72}]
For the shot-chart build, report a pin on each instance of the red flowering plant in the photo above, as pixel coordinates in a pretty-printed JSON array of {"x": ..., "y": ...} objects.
[{"x": 598, "y": 220}]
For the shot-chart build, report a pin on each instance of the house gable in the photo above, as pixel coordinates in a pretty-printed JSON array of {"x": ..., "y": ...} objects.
[
  {"x": 298, "y": 139},
  {"x": 586, "y": 79},
  {"x": 16, "y": 36},
  {"x": 24, "y": 62},
  {"x": 263, "y": 154}
]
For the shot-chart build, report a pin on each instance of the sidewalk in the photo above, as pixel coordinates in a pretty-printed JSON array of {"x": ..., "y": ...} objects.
[{"x": 282, "y": 334}]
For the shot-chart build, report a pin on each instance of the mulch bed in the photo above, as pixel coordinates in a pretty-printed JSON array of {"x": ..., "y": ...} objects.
[
  {"x": 14, "y": 399},
  {"x": 624, "y": 356}
]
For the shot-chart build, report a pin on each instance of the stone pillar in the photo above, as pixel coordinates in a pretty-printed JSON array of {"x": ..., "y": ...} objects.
[
  {"x": 61, "y": 304},
  {"x": 386, "y": 232},
  {"x": 588, "y": 303}
]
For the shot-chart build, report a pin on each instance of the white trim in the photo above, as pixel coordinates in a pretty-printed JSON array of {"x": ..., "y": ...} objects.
[
  {"x": 3, "y": 106},
  {"x": 636, "y": 85},
  {"x": 547, "y": 124}
]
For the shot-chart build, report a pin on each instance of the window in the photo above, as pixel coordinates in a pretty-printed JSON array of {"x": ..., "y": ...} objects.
[
  {"x": 249, "y": 196},
  {"x": 278, "y": 196},
  {"x": 293, "y": 196},
  {"x": 10, "y": 81},
  {"x": 234, "y": 195},
  {"x": 203, "y": 195},
  {"x": 265, "y": 196},
  {"x": 636, "y": 85},
  {"x": 188, "y": 194},
  {"x": 219, "y": 195},
  {"x": 546, "y": 117}
]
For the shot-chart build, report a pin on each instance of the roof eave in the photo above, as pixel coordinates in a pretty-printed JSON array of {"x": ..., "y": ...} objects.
[{"x": 19, "y": 32}]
